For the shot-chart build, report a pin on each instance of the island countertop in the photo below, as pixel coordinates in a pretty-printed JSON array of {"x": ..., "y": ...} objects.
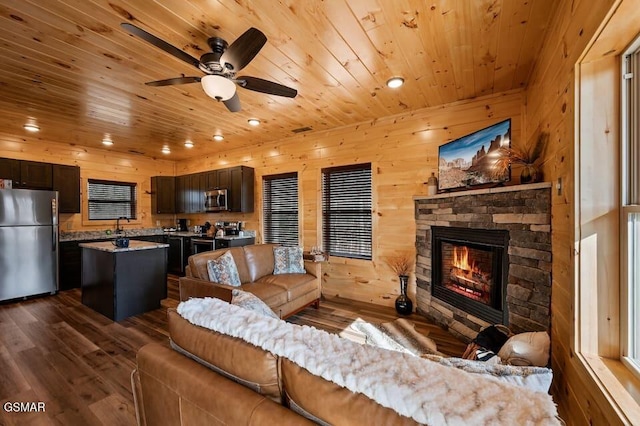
[{"x": 134, "y": 245}]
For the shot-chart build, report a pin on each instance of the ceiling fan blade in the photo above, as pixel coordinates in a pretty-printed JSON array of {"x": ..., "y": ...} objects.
[
  {"x": 161, "y": 44},
  {"x": 244, "y": 49},
  {"x": 265, "y": 86},
  {"x": 233, "y": 104},
  {"x": 174, "y": 81}
]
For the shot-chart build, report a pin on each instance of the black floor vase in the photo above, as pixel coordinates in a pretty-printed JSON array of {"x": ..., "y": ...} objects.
[{"x": 404, "y": 305}]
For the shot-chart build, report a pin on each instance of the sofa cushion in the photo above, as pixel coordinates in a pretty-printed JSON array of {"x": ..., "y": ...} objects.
[
  {"x": 223, "y": 270},
  {"x": 234, "y": 358},
  {"x": 288, "y": 260},
  {"x": 294, "y": 285},
  {"x": 250, "y": 301},
  {"x": 332, "y": 404},
  {"x": 260, "y": 260},
  {"x": 198, "y": 263},
  {"x": 270, "y": 294}
]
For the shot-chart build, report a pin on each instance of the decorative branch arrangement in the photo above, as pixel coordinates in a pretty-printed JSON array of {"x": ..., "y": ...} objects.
[
  {"x": 401, "y": 264},
  {"x": 527, "y": 157}
]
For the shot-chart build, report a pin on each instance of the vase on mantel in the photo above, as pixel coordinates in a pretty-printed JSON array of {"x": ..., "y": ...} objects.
[{"x": 404, "y": 305}]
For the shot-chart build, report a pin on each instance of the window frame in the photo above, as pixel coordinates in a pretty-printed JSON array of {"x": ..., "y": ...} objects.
[
  {"x": 133, "y": 200},
  {"x": 326, "y": 224},
  {"x": 265, "y": 218},
  {"x": 630, "y": 206}
]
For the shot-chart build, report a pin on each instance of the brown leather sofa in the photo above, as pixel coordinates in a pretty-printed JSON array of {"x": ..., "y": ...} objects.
[
  {"x": 285, "y": 294},
  {"x": 209, "y": 378}
]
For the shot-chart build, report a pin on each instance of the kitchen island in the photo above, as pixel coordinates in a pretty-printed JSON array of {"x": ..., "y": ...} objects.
[{"x": 123, "y": 282}]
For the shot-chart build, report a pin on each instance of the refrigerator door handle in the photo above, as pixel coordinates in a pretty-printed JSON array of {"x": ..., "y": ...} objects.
[{"x": 54, "y": 222}]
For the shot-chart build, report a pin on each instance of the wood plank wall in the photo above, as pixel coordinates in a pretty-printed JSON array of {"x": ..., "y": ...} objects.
[
  {"x": 403, "y": 150},
  {"x": 94, "y": 163},
  {"x": 551, "y": 107}
]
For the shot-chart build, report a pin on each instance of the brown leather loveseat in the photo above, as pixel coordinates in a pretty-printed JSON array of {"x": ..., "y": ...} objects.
[{"x": 285, "y": 294}]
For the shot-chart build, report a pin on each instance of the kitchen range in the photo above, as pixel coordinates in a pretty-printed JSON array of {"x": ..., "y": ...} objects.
[{"x": 204, "y": 238}]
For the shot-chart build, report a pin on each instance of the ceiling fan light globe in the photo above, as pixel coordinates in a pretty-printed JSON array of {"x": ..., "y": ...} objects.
[{"x": 218, "y": 87}]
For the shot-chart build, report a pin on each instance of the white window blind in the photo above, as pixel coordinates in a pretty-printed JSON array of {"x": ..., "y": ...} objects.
[
  {"x": 280, "y": 208},
  {"x": 346, "y": 211},
  {"x": 110, "y": 200}
]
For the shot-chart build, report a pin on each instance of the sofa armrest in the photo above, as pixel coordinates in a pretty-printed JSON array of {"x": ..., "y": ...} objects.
[
  {"x": 194, "y": 287},
  {"x": 312, "y": 268}
]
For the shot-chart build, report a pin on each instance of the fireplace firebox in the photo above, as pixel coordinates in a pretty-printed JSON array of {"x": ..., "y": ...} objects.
[{"x": 470, "y": 270}]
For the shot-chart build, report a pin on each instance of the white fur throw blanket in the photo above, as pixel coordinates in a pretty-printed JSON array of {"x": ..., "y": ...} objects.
[{"x": 428, "y": 392}]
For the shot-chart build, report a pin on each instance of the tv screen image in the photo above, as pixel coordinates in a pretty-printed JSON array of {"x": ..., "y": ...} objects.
[{"x": 470, "y": 160}]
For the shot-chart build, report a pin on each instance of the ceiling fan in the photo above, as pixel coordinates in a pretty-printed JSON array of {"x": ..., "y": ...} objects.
[{"x": 220, "y": 66}]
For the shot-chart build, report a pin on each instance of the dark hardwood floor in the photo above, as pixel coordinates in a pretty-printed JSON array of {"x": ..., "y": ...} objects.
[{"x": 57, "y": 351}]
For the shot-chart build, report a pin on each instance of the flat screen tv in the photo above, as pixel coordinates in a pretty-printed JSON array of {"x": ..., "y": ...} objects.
[{"x": 470, "y": 160}]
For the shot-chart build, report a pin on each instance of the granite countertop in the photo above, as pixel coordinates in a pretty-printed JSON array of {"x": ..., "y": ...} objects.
[
  {"x": 194, "y": 235},
  {"x": 132, "y": 233},
  {"x": 102, "y": 235},
  {"x": 133, "y": 246}
]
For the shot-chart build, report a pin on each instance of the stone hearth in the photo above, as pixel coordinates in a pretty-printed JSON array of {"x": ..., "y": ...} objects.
[{"x": 525, "y": 212}]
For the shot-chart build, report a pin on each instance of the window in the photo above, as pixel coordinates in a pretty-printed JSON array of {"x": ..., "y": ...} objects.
[
  {"x": 280, "y": 208},
  {"x": 631, "y": 210},
  {"x": 110, "y": 200},
  {"x": 346, "y": 211}
]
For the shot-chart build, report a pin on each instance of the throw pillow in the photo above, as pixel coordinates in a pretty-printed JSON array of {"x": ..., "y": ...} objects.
[
  {"x": 288, "y": 260},
  {"x": 251, "y": 302},
  {"x": 534, "y": 378},
  {"x": 526, "y": 349},
  {"x": 223, "y": 270}
]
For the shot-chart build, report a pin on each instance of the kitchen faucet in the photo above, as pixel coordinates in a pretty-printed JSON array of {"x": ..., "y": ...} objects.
[{"x": 118, "y": 229}]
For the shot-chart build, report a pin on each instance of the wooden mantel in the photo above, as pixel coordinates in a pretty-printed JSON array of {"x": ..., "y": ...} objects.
[{"x": 495, "y": 190}]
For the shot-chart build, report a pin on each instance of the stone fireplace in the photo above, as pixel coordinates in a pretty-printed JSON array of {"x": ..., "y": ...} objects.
[{"x": 484, "y": 257}]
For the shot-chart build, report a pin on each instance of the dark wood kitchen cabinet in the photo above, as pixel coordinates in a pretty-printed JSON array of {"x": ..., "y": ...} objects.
[
  {"x": 69, "y": 265},
  {"x": 211, "y": 179},
  {"x": 182, "y": 194},
  {"x": 10, "y": 169},
  {"x": 27, "y": 174},
  {"x": 34, "y": 175},
  {"x": 66, "y": 180},
  {"x": 197, "y": 186},
  {"x": 163, "y": 194},
  {"x": 241, "y": 189},
  {"x": 224, "y": 178}
]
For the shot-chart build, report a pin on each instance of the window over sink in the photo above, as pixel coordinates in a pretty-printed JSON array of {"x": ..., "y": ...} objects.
[{"x": 110, "y": 200}]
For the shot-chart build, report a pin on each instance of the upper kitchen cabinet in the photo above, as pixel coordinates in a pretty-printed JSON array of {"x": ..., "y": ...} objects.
[
  {"x": 163, "y": 194},
  {"x": 224, "y": 179},
  {"x": 66, "y": 180},
  {"x": 211, "y": 179},
  {"x": 10, "y": 169},
  {"x": 197, "y": 186},
  {"x": 34, "y": 175},
  {"x": 241, "y": 189},
  {"x": 182, "y": 194}
]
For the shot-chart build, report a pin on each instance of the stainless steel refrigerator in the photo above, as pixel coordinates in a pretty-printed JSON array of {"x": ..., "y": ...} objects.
[{"x": 28, "y": 243}]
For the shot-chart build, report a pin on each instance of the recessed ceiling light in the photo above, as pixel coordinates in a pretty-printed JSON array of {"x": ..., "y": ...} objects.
[
  {"x": 253, "y": 122},
  {"x": 166, "y": 150},
  {"x": 30, "y": 127},
  {"x": 218, "y": 138},
  {"x": 188, "y": 144},
  {"x": 395, "y": 82}
]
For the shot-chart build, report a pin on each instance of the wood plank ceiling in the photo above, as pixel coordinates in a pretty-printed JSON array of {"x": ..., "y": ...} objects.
[{"x": 69, "y": 66}]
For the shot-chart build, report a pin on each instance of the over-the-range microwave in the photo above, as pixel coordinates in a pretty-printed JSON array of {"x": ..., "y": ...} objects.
[{"x": 216, "y": 200}]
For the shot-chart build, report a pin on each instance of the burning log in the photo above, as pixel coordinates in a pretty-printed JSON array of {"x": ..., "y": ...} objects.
[{"x": 475, "y": 280}]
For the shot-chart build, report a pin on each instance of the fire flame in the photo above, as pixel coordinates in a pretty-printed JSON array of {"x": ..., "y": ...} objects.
[{"x": 461, "y": 259}]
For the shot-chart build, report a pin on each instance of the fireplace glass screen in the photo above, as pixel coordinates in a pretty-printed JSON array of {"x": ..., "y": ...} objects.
[
  {"x": 468, "y": 271},
  {"x": 470, "y": 267}
]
